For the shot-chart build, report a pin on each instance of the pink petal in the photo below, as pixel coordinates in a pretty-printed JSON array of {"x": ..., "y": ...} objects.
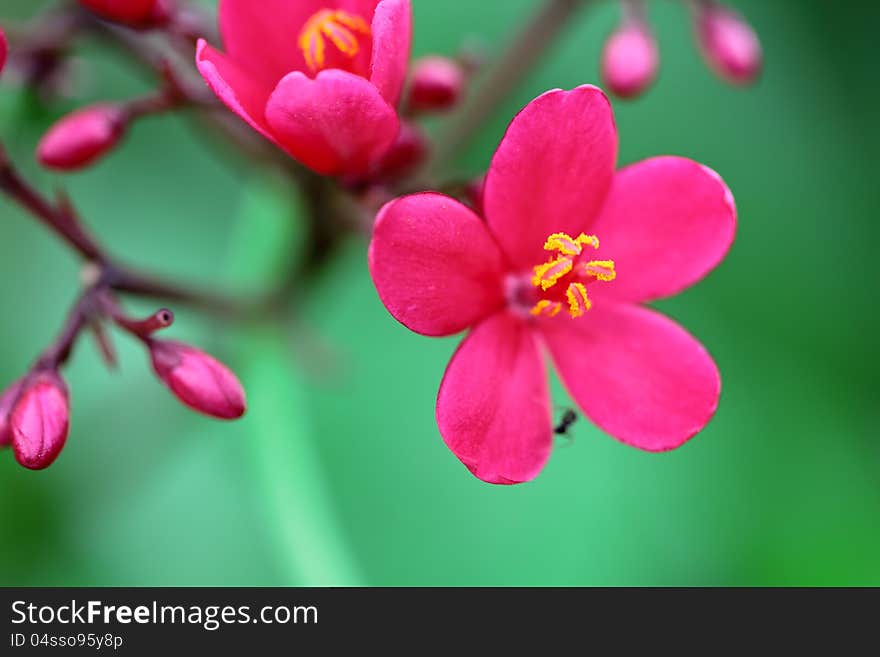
[
  {"x": 264, "y": 39},
  {"x": 493, "y": 408},
  {"x": 637, "y": 374},
  {"x": 435, "y": 266},
  {"x": 237, "y": 88},
  {"x": 392, "y": 35},
  {"x": 335, "y": 123},
  {"x": 551, "y": 171},
  {"x": 667, "y": 222}
]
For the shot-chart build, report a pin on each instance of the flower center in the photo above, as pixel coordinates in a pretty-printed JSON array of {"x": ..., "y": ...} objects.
[
  {"x": 562, "y": 281},
  {"x": 343, "y": 29}
]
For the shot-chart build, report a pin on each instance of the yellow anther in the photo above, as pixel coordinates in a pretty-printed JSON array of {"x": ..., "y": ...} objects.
[
  {"x": 568, "y": 245},
  {"x": 578, "y": 301},
  {"x": 563, "y": 243},
  {"x": 338, "y": 26},
  {"x": 588, "y": 240},
  {"x": 602, "y": 270},
  {"x": 552, "y": 308},
  {"x": 547, "y": 274}
]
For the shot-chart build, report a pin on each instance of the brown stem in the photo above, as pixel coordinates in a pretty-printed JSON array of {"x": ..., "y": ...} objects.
[
  {"x": 62, "y": 220},
  {"x": 519, "y": 58},
  {"x": 59, "y": 218},
  {"x": 79, "y": 317}
]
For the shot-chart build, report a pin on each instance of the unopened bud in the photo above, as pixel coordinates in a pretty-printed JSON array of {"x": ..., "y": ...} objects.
[
  {"x": 7, "y": 401},
  {"x": 82, "y": 137},
  {"x": 198, "y": 380},
  {"x": 406, "y": 153},
  {"x": 629, "y": 60},
  {"x": 40, "y": 420},
  {"x": 4, "y": 49},
  {"x": 130, "y": 12},
  {"x": 729, "y": 44},
  {"x": 437, "y": 84}
]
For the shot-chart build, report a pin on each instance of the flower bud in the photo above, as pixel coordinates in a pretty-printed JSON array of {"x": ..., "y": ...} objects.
[
  {"x": 40, "y": 420},
  {"x": 406, "y": 153},
  {"x": 130, "y": 12},
  {"x": 729, "y": 44},
  {"x": 82, "y": 137},
  {"x": 4, "y": 49},
  {"x": 198, "y": 380},
  {"x": 436, "y": 85},
  {"x": 629, "y": 60},
  {"x": 7, "y": 401}
]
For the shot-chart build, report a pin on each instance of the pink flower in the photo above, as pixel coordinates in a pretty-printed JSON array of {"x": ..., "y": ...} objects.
[
  {"x": 629, "y": 60},
  {"x": 532, "y": 276},
  {"x": 728, "y": 43},
  {"x": 131, "y": 12},
  {"x": 40, "y": 420},
  {"x": 319, "y": 78},
  {"x": 198, "y": 380},
  {"x": 437, "y": 84},
  {"x": 82, "y": 137}
]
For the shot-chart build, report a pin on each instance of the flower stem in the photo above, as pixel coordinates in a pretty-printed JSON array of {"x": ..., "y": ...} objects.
[{"x": 519, "y": 58}]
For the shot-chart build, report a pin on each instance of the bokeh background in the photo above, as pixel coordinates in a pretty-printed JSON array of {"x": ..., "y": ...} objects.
[{"x": 338, "y": 476}]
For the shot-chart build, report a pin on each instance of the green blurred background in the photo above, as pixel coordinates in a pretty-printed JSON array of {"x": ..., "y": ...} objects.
[{"x": 338, "y": 476}]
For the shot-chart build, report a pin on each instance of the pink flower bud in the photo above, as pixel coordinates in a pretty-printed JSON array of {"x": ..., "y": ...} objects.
[
  {"x": 4, "y": 49},
  {"x": 198, "y": 380},
  {"x": 406, "y": 153},
  {"x": 629, "y": 60},
  {"x": 437, "y": 84},
  {"x": 40, "y": 420},
  {"x": 130, "y": 12},
  {"x": 729, "y": 44},
  {"x": 79, "y": 139},
  {"x": 7, "y": 401}
]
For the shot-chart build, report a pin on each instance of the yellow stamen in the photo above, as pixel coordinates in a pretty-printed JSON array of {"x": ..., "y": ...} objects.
[
  {"x": 578, "y": 302},
  {"x": 338, "y": 26},
  {"x": 603, "y": 270},
  {"x": 547, "y": 274},
  {"x": 552, "y": 309},
  {"x": 563, "y": 243},
  {"x": 588, "y": 240},
  {"x": 570, "y": 246}
]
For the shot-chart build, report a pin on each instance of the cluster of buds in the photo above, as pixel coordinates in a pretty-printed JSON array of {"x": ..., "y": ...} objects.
[
  {"x": 630, "y": 59},
  {"x": 35, "y": 409}
]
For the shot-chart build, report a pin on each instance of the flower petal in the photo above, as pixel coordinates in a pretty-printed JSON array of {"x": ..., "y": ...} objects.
[
  {"x": 264, "y": 39},
  {"x": 238, "y": 90},
  {"x": 336, "y": 123},
  {"x": 493, "y": 408},
  {"x": 667, "y": 222},
  {"x": 636, "y": 373},
  {"x": 435, "y": 265},
  {"x": 551, "y": 171},
  {"x": 392, "y": 35}
]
